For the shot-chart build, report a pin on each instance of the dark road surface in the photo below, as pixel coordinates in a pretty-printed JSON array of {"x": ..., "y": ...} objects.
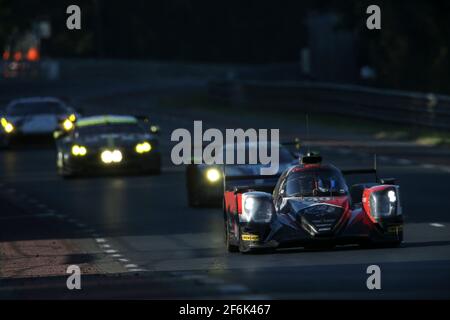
[{"x": 135, "y": 236}]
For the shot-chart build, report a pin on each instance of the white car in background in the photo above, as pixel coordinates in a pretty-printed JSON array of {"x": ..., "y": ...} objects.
[{"x": 36, "y": 117}]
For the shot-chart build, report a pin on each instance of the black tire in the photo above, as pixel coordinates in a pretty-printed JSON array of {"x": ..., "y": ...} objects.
[
  {"x": 65, "y": 172},
  {"x": 230, "y": 247}
]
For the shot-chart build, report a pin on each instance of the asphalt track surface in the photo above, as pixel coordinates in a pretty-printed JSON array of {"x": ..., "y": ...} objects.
[{"x": 135, "y": 236}]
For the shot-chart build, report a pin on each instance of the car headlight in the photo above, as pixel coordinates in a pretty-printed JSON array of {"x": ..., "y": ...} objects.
[
  {"x": 109, "y": 156},
  {"x": 67, "y": 125},
  {"x": 213, "y": 175},
  {"x": 72, "y": 117},
  {"x": 79, "y": 150},
  {"x": 143, "y": 147},
  {"x": 257, "y": 207},
  {"x": 384, "y": 203},
  {"x": 8, "y": 127}
]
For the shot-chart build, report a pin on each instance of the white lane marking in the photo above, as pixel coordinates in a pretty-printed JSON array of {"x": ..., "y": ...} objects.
[
  {"x": 437, "y": 225},
  {"x": 116, "y": 255},
  {"x": 110, "y": 251},
  {"x": 124, "y": 260},
  {"x": 128, "y": 266},
  {"x": 100, "y": 240},
  {"x": 429, "y": 166},
  {"x": 106, "y": 246},
  {"x": 136, "y": 270}
]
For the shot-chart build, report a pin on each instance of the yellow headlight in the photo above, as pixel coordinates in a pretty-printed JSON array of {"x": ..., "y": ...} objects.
[
  {"x": 213, "y": 175},
  {"x": 79, "y": 150},
  {"x": 67, "y": 125},
  {"x": 143, "y": 147},
  {"x": 72, "y": 117},
  {"x": 108, "y": 156},
  {"x": 9, "y": 128}
]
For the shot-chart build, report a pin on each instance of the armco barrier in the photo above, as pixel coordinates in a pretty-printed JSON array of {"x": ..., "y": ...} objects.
[{"x": 417, "y": 109}]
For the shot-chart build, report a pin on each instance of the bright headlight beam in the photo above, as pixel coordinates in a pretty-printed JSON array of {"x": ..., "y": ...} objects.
[
  {"x": 392, "y": 196},
  {"x": 67, "y": 125},
  {"x": 143, "y": 147},
  {"x": 116, "y": 156},
  {"x": 249, "y": 203},
  {"x": 106, "y": 156},
  {"x": 79, "y": 150},
  {"x": 213, "y": 175},
  {"x": 9, "y": 128}
]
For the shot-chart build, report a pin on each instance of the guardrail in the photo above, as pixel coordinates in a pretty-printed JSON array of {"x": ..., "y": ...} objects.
[{"x": 418, "y": 109}]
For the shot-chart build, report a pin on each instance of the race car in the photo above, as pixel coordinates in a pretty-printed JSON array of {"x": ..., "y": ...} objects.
[
  {"x": 204, "y": 183},
  {"x": 31, "y": 119},
  {"x": 311, "y": 206},
  {"x": 108, "y": 144}
]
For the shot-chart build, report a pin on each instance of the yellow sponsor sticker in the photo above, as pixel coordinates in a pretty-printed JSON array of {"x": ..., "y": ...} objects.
[{"x": 250, "y": 237}]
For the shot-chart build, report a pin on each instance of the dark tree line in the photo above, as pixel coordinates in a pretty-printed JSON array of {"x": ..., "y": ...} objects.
[{"x": 410, "y": 52}]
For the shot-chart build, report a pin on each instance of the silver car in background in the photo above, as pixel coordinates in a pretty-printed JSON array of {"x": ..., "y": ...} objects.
[{"x": 34, "y": 118}]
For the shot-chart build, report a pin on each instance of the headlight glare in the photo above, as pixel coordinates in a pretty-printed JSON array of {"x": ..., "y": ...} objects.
[
  {"x": 8, "y": 127},
  {"x": 109, "y": 156},
  {"x": 213, "y": 175},
  {"x": 79, "y": 150},
  {"x": 257, "y": 207},
  {"x": 67, "y": 125},
  {"x": 72, "y": 118},
  {"x": 143, "y": 147}
]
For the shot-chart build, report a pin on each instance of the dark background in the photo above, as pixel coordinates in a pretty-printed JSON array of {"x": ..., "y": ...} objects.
[{"x": 410, "y": 52}]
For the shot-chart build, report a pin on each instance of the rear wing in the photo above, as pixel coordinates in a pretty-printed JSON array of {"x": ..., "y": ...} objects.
[
  {"x": 250, "y": 182},
  {"x": 364, "y": 170}
]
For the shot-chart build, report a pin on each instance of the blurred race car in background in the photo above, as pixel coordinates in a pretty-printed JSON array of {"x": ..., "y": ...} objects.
[
  {"x": 108, "y": 144},
  {"x": 204, "y": 182},
  {"x": 311, "y": 205},
  {"x": 35, "y": 118}
]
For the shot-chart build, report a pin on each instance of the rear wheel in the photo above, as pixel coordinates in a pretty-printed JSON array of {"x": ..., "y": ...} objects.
[{"x": 228, "y": 244}]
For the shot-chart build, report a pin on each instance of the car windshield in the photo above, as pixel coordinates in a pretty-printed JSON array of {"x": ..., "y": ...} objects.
[
  {"x": 315, "y": 182},
  {"x": 35, "y": 108},
  {"x": 111, "y": 128}
]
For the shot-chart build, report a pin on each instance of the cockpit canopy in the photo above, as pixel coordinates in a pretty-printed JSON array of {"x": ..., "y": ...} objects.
[{"x": 315, "y": 182}]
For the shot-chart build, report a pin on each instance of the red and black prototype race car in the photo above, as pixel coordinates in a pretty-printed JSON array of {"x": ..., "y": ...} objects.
[{"x": 311, "y": 206}]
